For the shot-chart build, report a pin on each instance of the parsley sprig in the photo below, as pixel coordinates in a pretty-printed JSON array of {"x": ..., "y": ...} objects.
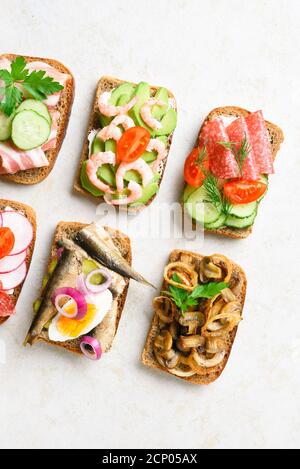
[
  {"x": 36, "y": 83},
  {"x": 240, "y": 154},
  {"x": 184, "y": 299}
]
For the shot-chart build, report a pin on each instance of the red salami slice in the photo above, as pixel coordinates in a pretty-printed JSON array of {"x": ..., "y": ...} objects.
[
  {"x": 236, "y": 132},
  {"x": 222, "y": 162},
  {"x": 7, "y": 305},
  {"x": 260, "y": 142}
]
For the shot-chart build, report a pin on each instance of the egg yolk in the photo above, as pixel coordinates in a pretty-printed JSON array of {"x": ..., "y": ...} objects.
[{"x": 74, "y": 327}]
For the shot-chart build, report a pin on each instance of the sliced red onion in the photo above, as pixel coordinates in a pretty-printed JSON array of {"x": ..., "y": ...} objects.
[
  {"x": 78, "y": 297},
  {"x": 81, "y": 286},
  {"x": 91, "y": 348},
  {"x": 103, "y": 286}
]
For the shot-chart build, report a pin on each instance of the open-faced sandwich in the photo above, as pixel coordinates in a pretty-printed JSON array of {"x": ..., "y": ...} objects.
[
  {"x": 36, "y": 97},
  {"x": 84, "y": 289},
  {"x": 227, "y": 173},
  {"x": 17, "y": 239},
  {"x": 196, "y": 316},
  {"x": 127, "y": 145}
]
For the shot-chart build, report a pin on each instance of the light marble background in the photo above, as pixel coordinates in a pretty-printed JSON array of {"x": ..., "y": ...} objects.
[{"x": 210, "y": 53}]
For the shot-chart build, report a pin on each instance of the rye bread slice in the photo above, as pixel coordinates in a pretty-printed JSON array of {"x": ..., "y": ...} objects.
[
  {"x": 122, "y": 242},
  {"x": 30, "y": 214},
  {"x": 107, "y": 83},
  {"x": 34, "y": 176},
  {"x": 276, "y": 138},
  {"x": 239, "y": 288}
]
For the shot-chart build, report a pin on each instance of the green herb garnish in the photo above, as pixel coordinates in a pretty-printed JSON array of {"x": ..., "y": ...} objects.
[
  {"x": 214, "y": 194},
  {"x": 35, "y": 83},
  {"x": 184, "y": 299},
  {"x": 239, "y": 154}
]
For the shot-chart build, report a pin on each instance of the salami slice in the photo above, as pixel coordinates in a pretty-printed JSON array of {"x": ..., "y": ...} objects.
[
  {"x": 7, "y": 305},
  {"x": 221, "y": 160},
  {"x": 236, "y": 132},
  {"x": 260, "y": 142}
]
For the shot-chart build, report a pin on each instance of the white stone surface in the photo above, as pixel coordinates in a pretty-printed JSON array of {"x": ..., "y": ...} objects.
[{"x": 210, "y": 53}]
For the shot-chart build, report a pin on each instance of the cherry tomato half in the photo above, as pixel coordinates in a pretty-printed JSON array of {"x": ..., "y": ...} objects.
[
  {"x": 132, "y": 144},
  {"x": 195, "y": 167},
  {"x": 243, "y": 191},
  {"x": 7, "y": 242}
]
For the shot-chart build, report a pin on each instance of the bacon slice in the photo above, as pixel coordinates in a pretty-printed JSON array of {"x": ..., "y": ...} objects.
[
  {"x": 260, "y": 142},
  {"x": 236, "y": 132},
  {"x": 222, "y": 162},
  {"x": 51, "y": 142},
  {"x": 12, "y": 160}
]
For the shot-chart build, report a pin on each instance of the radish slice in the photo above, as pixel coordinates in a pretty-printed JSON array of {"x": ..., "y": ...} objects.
[
  {"x": 11, "y": 263},
  {"x": 13, "y": 279},
  {"x": 21, "y": 228}
]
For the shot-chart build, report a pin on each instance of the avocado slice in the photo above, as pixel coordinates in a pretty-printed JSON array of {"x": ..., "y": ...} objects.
[
  {"x": 150, "y": 156},
  {"x": 97, "y": 146},
  {"x": 168, "y": 122},
  {"x": 107, "y": 175},
  {"x": 110, "y": 145},
  {"x": 133, "y": 176},
  {"x": 127, "y": 89},
  {"x": 158, "y": 112},
  {"x": 143, "y": 93},
  {"x": 148, "y": 193},
  {"x": 86, "y": 183}
]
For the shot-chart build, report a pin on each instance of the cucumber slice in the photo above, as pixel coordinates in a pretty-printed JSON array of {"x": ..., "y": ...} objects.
[
  {"x": 200, "y": 210},
  {"x": 5, "y": 126},
  {"x": 86, "y": 183},
  {"x": 188, "y": 192},
  {"x": 29, "y": 130},
  {"x": 243, "y": 210},
  {"x": 217, "y": 224},
  {"x": 234, "y": 222},
  {"x": 37, "y": 106}
]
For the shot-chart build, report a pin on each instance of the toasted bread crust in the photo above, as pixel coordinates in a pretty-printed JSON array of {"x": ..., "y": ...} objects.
[
  {"x": 107, "y": 83},
  {"x": 148, "y": 357},
  {"x": 276, "y": 137},
  {"x": 34, "y": 176},
  {"x": 123, "y": 243},
  {"x": 30, "y": 214}
]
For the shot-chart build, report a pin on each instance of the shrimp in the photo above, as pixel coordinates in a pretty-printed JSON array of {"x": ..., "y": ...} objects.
[
  {"x": 160, "y": 147},
  {"x": 140, "y": 166},
  {"x": 136, "y": 193},
  {"x": 146, "y": 113},
  {"x": 109, "y": 110},
  {"x": 94, "y": 163},
  {"x": 112, "y": 130}
]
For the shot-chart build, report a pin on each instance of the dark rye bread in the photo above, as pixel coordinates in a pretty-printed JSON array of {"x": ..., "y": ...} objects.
[
  {"x": 30, "y": 214},
  {"x": 276, "y": 138},
  {"x": 121, "y": 241},
  {"x": 239, "y": 288},
  {"x": 34, "y": 176},
  {"x": 107, "y": 83}
]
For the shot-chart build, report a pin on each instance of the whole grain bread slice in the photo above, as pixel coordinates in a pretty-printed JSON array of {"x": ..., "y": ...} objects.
[
  {"x": 276, "y": 139},
  {"x": 238, "y": 285},
  {"x": 107, "y": 83},
  {"x": 122, "y": 242},
  {"x": 34, "y": 176},
  {"x": 30, "y": 214}
]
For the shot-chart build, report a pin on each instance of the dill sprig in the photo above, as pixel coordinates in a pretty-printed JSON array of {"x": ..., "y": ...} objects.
[
  {"x": 240, "y": 154},
  {"x": 214, "y": 194}
]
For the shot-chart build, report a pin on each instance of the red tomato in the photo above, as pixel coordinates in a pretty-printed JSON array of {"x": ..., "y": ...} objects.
[
  {"x": 243, "y": 191},
  {"x": 7, "y": 242},
  {"x": 132, "y": 144},
  {"x": 195, "y": 167}
]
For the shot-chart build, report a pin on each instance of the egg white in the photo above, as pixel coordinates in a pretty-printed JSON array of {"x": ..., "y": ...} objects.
[{"x": 103, "y": 303}]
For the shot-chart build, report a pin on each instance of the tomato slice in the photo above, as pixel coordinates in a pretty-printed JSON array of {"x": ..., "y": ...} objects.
[
  {"x": 132, "y": 144},
  {"x": 195, "y": 167},
  {"x": 7, "y": 242},
  {"x": 243, "y": 191}
]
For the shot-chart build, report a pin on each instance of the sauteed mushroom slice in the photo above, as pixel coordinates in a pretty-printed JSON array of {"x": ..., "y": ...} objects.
[
  {"x": 164, "y": 308},
  {"x": 192, "y": 321},
  {"x": 163, "y": 341},
  {"x": 173, "y": 329},
  {"x": 215, "y": 345},
  {"x": 197, "y": 360},
  {"x": 182, "y": 373},
  {"x": 224, "y": 322},
  {"x": 187, "y": 275},
  {"x": 186, "y": 342},
  {"x": 216, "y": 267},
  {"x": 228, "y": 295}
]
